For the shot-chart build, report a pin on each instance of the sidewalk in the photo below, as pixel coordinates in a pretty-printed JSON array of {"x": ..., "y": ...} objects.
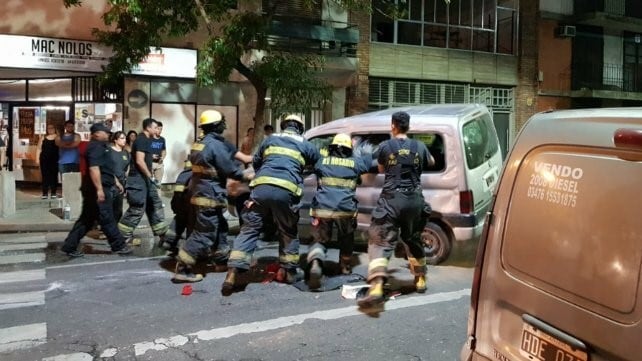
[{"x": 45, "y": 215}]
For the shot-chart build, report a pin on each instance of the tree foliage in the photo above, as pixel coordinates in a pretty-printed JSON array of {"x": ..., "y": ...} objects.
[{"x": 292, "y": 79}]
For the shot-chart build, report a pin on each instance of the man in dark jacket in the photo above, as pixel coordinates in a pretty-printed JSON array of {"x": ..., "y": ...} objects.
[
  {"x": 276, "y": 192},
  {"x": 97, "y": 197}
]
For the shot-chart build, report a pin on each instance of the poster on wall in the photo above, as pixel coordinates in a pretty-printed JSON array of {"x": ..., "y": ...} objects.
[{"x": 27, "y": 118}]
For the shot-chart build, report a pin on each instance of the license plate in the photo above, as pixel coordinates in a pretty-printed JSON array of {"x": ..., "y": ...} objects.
[{"x": 538, "y": 345}]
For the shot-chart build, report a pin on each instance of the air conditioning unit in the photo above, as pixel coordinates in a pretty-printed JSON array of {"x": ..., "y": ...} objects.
[{"x": 566, "y": 31}]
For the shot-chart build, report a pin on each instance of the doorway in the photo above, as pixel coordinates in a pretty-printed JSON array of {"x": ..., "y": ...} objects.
[{"x": 27, "y": 125}]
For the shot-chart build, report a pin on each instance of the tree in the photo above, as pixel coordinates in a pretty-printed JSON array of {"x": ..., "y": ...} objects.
[{"x": 136, "y": 25}]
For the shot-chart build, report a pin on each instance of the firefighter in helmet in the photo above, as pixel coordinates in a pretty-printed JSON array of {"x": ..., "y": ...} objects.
[
  {"x": 212, "y": 163},
  {"x": 276, "y": 192},
  {"x": 334, "y": 204}
]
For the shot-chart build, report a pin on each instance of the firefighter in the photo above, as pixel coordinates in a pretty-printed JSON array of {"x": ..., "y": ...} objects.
[
  {"x": 212, "y": 164},
  {"x": 334, "y": 203},
  {"x": 142, "y": 192},
  {"x": 180, "y": 204},
  {"x": 401, "y": 209},
  {"x": 276, "y": 191}
]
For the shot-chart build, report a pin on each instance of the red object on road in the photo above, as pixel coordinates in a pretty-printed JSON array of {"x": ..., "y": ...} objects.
[{"x": 187, "y": 290}]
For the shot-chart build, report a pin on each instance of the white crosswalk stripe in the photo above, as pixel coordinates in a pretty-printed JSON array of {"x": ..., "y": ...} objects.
[
  {"x": 20, "y": 289},
  {"x": 21, "y": 337}
]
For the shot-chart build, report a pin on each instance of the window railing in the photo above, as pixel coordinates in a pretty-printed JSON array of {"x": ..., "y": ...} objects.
[{"x": 600, "y": 76}]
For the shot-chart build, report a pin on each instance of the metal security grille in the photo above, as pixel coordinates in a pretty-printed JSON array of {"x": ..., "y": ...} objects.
[
  {"x": 386, "y": 93},
  {"x": 87, "y": 89}
]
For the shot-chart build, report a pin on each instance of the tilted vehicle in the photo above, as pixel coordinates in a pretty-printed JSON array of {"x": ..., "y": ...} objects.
[{"x": 463, "y": 141}]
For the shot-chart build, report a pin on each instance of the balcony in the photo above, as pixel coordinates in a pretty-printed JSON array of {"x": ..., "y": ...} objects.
[
  {"x": 303, "y": 34},
  {"x": 622, "y": 15},
  {"x": 617, "y": 81}
]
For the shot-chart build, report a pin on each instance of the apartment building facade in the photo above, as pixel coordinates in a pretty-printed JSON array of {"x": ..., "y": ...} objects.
[
  {"x": 461, "y": 51},
  {"x": 590, "y": 54}
]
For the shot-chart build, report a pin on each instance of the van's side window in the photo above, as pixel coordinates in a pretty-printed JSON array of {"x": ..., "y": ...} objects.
[
  {"x": 435, "y": 144},
  {"x": 368, "y": 144},
  {"x": 478, "y": 141},
  {"x": 322, "y": 142}
]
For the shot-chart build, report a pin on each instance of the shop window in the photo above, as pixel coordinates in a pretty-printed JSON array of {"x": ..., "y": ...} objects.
[
  {"x": 50, "y": 90},
  {"x": 435, "y": 35},
  {"x": 13, "y": 90}
]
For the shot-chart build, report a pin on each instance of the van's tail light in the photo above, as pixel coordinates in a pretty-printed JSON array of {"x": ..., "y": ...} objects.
[
  {"x": 628, "y": 139},
  {"x": 466, "y": 203}
]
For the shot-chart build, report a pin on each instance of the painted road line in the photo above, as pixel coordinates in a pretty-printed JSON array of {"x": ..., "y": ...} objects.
[
  {"x": 287, "y": 321},
  {"x": 22, "y": 276},
  {"x": 79, "y": 356},
  {"x": 22, "y": 246},
  {"x": 22, "y": 299},
  {"x": 22, "y": 337},
  {"x": 22, "y": 258}
]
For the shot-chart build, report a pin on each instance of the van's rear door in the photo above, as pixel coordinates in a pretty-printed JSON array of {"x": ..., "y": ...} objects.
[
  {"x": 561, "y": 274},
  {"x": 483, "y": 161}
]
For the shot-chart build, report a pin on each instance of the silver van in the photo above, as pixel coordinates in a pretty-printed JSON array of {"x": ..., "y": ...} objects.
[
  {"x": 557, "y": 274},
  {"x": 463, "y": 141}
]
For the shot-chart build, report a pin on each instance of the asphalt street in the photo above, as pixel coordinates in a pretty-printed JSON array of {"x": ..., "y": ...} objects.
[{"x": 109, "y": 307}]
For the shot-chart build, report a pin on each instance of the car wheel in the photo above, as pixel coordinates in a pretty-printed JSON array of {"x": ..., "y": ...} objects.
[{"x": 437, "y": 244}]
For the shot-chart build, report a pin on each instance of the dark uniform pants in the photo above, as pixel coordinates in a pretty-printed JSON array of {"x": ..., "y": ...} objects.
[
  {"x": 184, "y": 216},
  {"x": 118, "y": 204},
  {"x": 268, "y": 204},
  {"x": 143, "y": 198},
  {"x": 92, "y": 210},
  {"x": 209, "y": 236},
  {"x": 322, "y": 234},
  {"x": 395, "y": 212}
]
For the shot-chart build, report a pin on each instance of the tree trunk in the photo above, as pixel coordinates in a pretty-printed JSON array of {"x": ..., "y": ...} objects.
[{"x": 261, "y": 92}]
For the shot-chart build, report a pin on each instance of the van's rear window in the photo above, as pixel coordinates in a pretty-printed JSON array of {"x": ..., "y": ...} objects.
[{"x": 480, "y": 141}]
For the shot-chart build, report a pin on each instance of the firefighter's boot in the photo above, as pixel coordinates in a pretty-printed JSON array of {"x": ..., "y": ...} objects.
[
  {"x": 375, "y": 296},
  {"x": 420, "y": 283},
  {"x": 183, "y": 272},
  {"x": 345, "y": 262},
  {"x": 230, "y": 282},
  {"x": 316, "y": 272}
]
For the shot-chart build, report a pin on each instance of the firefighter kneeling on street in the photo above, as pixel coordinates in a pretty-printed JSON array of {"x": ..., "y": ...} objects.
[
  {"x": 276, "y": 192},
  {"x": 334, "y": 204},
  {"x": 400, "y": 206},
  {"x": 212, "y": 164}
]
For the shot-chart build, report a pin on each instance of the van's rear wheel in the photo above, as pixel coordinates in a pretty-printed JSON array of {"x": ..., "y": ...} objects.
[{"x": 436, "y": 243}]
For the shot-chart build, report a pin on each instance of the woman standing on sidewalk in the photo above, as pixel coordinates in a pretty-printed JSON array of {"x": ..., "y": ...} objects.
[
  {"x": 120, "y": 158},
  {"x": 48, "y": 160}
]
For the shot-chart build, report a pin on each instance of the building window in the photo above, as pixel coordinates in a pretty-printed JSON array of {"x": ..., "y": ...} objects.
[{"x": 478, "y": 25}]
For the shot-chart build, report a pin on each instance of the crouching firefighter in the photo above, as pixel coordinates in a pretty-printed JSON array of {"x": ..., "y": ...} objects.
[
  {"x": 400, "y": 209},
  {"x": 334, "y": 203},
  {"x": 212, "y": 164},
  {"x": 181, "y": 207},
  {"x": 275, "y": 195}
]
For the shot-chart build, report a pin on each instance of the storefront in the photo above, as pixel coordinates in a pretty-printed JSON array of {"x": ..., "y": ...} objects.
[{"x": 48, "y": 81}]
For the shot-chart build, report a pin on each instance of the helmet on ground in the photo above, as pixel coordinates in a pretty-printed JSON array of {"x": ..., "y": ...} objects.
[
  {"x": 211, "y": 117},
  {"x": 343, "y": 140}
]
